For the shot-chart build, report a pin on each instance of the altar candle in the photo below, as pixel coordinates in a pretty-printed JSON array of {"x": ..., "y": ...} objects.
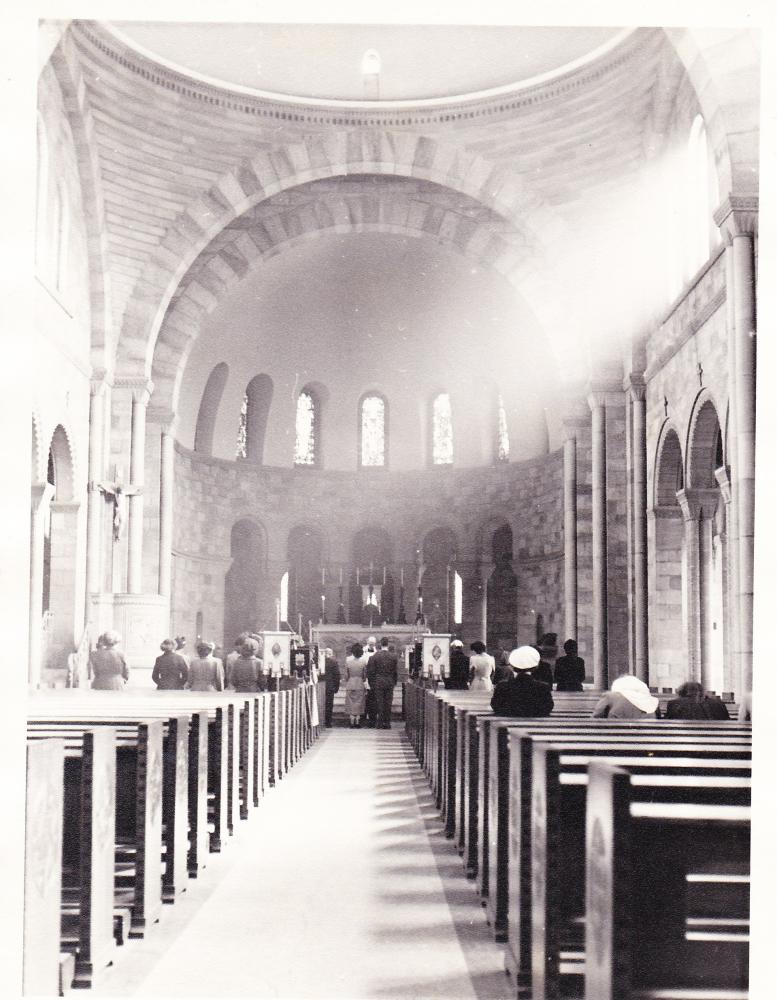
[
  {"x": 323, "y": 575},
  {"x": 357, "y": 574},
  {"x": 384, "y": 576},
  {"x": 341, "y": 576},
  {"x": 402, "y": 575}
]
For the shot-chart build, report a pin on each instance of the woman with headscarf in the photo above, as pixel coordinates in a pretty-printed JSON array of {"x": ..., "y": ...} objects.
[
  {"x": 692, "y": 703},
  {"x": 247, "y": 669},
  {"x": 206, "y": 672},
  {"x": 171, "y": 671},
  {"x": 108, "y": 667},
  {"x": 355, "y": 674},
  {"x": 481, "y": 668},
  {"x": 628, "y": 698}
]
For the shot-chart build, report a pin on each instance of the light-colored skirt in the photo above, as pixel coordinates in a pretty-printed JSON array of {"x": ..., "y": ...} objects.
[
  {"x": 355, "y": 697},
  {"x": 481, "y": 684}
]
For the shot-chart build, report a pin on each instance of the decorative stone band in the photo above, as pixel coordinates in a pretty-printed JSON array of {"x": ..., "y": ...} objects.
[{"x": 737, "y": 216}]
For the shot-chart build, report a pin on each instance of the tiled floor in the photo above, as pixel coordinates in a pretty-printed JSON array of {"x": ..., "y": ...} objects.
[{"x": 341, "y": 884}]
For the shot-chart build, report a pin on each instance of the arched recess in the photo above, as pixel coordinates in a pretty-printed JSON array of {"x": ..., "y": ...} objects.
[
  {"x": 209, "y": 407},
  {"x": 668, "y": 613},
  {"x": 54, "y": 615},
  {"x": 502, "y": 592},
  {"x": 305, "y": 557},
  {"x": 245, "y": 580},
  {"x": 372, "y": 416},
  {"x": 707, "y": 567},
  {"x": 309, "y": 424},
  {"x": 372, "y": 590},
  {"x": 439, "y": 554},
  {"x": 259, "y": 394}
]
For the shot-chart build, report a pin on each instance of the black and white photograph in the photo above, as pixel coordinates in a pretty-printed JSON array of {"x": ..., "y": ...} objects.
[{"x": 388, "y": 539}]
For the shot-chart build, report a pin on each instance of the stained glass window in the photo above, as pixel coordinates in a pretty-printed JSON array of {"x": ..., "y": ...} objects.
[
  {"x": 503, "y": 439},
  {"x": 242, "y": 429},
  {"x": 305, "y": 442},
  {"x": 442, "y": 430},
  {"x": 373, "y": 431}
]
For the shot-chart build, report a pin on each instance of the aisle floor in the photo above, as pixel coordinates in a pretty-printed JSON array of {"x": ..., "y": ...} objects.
[{"x": 341, "y": 884}]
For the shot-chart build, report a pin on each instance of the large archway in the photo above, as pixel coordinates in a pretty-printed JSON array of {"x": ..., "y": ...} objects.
[{"x": 245, "y": 580}]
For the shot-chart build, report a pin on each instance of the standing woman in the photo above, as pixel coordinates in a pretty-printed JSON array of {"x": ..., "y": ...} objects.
[
  {"x": 170, "y": 671},
  {"x": 107, "y": 665},
  {"x": 247, "y": 669},
  {"x": 206, "y": 672},
  {"x": 481, "y": 667},
  {"x": 355, "y": 695}
]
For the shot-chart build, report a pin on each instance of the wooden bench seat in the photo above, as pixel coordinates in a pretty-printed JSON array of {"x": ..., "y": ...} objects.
[
  {"x": 639, "y": 856},
  {"x": 548, "y": 888}
]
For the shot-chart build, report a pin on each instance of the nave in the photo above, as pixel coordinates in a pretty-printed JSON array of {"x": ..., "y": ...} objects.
[{"x": 342, "y": 885}]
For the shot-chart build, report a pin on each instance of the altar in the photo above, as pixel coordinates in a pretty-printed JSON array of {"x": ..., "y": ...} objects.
[{"x": 340, "y": 638}]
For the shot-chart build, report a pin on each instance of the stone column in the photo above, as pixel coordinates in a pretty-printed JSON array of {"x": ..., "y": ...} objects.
[
  {"x": 166, "y": 488},
  {"x": 572, "y": 428},
  {"x": 42, "y": 495},
  {"x": 737, "y": 218},
  {"x": 486, "y": 569},
  {"x": 639, "y": 533},
  {"x": 95, "y": 503},
  {"x": 141, "y": 393},
  {"x": 729, "y": 671},
  {"x": 697, "y": 506},
  {"x": 597, "y": 402}
]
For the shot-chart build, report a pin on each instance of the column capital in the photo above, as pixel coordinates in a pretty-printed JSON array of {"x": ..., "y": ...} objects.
[
  {"x": 737, "y": 215},
  {"x": 697, "y": 502},
  {"x": 724, "y": 482},
  {"x": 140, "y": 386},
  {"x": 64, "y": 506},
  {"x": 572, "y": 425},
  {"x": 163, "y": 415},
  {"x": 635, "y": 385},
  {"x": 41, "y": 494},
  {"x": 100, "y": 380},
  {"x": 608, "y": 393}
]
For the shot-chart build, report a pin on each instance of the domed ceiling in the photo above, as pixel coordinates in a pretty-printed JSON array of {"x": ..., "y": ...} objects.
[{"x": 313, "y": 61}]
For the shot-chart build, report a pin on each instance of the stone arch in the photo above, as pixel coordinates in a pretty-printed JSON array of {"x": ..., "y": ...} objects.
[
  {"x": 37, "y": 472},
  {"x": 372, "y": 545},
  {"x": 439, "y": 550},
  {"x": 69, "y": 76},
  {"x": 704, "y": 450},
  {"x": 667, "y": 577},
  {"x": 234, "y": 253},
  {"x": 245, "y": 582},
  {"x": 266, "y": 174},
  {"x": 720, "y": 62},
  {"x": 61, "y": 455},
  {"x": 502, "y": 590},
  {"x": 209, "y": 407}
]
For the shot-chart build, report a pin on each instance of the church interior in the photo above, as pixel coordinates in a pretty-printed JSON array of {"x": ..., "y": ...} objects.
[{"x": 344, "y": 331}]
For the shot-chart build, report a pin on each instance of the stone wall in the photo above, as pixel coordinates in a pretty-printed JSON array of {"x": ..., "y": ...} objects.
[{"x": 211, "y": 495}]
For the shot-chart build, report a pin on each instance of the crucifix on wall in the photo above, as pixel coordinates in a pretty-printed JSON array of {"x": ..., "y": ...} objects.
[{"x": 119, "y": 494}]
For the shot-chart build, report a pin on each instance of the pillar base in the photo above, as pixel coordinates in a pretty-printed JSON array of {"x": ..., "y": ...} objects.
[{"x": 142, "y": 621}]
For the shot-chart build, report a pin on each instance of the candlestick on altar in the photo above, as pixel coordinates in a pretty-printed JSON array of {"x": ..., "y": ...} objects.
[
  {"x": 370, "y": 570},
  {"x": 402, "y": 576},
  {"x": 357, "y": 575},
  {"x": 384, "y": 576},
  {"x": 323, "y": 575},
  {"x": 299, "y": 624},
  {"x": 341, "y": 576}
]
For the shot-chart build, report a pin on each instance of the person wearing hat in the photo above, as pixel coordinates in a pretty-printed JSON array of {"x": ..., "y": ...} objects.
[
  {"x": 458, "y": 676},
  {"x": 205, "y": 671},
  {"x": 481, "y": 667},
  {"x": 107, "y": 666},
  {"x": 522, "y": 696},
  {"x": 233, "y": 657},
  {"x": 331, "y": 685},
  {"x": 247, "y": 672},
  {"x": 171, "y": 671},
  {"x": 628, "y": 698}
]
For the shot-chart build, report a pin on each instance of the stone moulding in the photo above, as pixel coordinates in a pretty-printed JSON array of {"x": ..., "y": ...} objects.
[{"x": 623, "y": 48}]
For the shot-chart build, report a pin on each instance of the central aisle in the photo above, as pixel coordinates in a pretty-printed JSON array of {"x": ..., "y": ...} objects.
[{"x": 341, "y": 884}]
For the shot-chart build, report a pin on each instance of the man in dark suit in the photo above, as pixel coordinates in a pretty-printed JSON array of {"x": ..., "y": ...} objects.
[
  {"x": 382, "y": 675},
  {"x": 521, "y": 696},
  {"x": 458, "y": 677},
  {"x": 331, "y": 685}
]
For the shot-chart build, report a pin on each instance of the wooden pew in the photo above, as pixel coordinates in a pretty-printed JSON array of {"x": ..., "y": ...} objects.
[
  {"x": 504, "y": 772},
  {"x": 551, "y": 886},
  {"x": 88, "y": 820},
  {"x": 639, "y": 859},
  {"x": 43, "y": 867}
]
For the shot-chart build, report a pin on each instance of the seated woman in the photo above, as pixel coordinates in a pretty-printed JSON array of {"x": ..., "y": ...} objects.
[
  {"x": 206, "y": 672},
  {"x": 570, "y": 669},
  {"x": 628, "y": 698},
  {"x": 692, "y": 703}
]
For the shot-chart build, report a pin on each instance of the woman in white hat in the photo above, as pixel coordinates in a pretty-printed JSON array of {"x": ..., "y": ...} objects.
[
  {"x": 628, "y": 698},
  {"x": 522, "y": 696}
]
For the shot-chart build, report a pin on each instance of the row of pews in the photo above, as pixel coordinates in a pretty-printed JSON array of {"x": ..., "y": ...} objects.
[
  {"x": 128, "y": 793},
  {"x": 612, "y": 857}
]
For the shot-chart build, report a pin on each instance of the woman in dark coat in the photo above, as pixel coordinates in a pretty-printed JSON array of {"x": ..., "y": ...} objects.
[
  {"x": 247, "y": 669},
  {"x": 171, "y": 671},
  {"x": 570, "y": 669},
  {"x": 691, "y": 703}
]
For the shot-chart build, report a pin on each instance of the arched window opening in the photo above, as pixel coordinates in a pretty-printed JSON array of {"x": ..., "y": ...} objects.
[
  {"x": 698, "y": 198},
  {"x": 209, "y": 407},
  {"x": 41, "y": 206},
  {"x": 242, "y": 430},
  {"x": 442, "y": 430},
  {"x": 306, "y": 429},
  {"x": 373, "y": 431},
  {"x": 503, "y": 438}
]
